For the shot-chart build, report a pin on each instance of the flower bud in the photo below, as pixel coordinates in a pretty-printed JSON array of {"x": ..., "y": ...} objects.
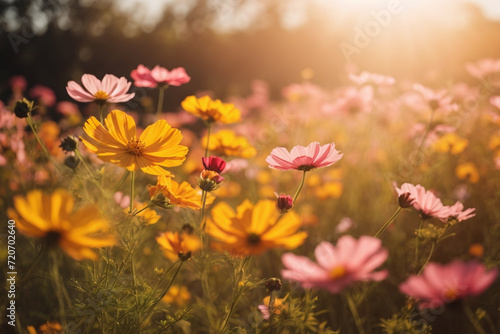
[
  {"x": 69, "y": 144},
  {"x": 72, "y": 162},
  {"x": 215, "y": 164},
  {"x": 285, "y": 202},
  {"x": 23, "y": 107},
  {"x": 273, "y": 284},
  {"x": 209, "y": 180}
]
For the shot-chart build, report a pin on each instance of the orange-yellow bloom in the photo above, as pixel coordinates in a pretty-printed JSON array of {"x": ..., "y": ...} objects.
[
  {"x": 147, "y": 215},
  {"x": 452, "y": 143},
  {"x": 253, "y": 229},
  {"x": 156, "y": 147},
  {"x": 211, "y": 110},
  {"x": 178, "y": 295},
  {"x": 175, "y": 245},
  {"x": 225, "y": 142},
  {"x": 52, "y": 217},
  {"x": 173, "y": 193},
  {"x": 467, "y": 171}
]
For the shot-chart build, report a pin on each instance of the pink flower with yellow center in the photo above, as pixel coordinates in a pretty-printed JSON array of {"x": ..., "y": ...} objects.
[
  {"x": 110, "y": 89},
  {"x": 443, "y": 284},
  {"x": 144, "y": 77},
  {"x": 338, "y": 266}
]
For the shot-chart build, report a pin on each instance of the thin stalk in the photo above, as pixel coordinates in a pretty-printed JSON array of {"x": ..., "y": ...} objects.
[
  {"x": 433, "y": 248},
  {"x": 159, "y": 108},
  {"x": 30, "y": 123},
  {"x": 58, "y": 287},
  {"x": 417, "y": 240},
  {"x": 204, "y": 195},
  {"x": 388, "y": 222},
  {"x": 209, "y": 126},
  {"x": 354, "y": 312},
  {"x": 101, "y": 112},
  {"x": 32, "y": 266},
  {"x": 472, "y": 318},
  {"x": 300, "y": 187},
  {"x": 132, "y": 189},
  {"x": 123, "y": 178},
  {"x": 144, "y": 208}
]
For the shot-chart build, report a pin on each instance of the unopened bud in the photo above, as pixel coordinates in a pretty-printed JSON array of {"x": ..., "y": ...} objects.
[{"x": 285, "y": 202}]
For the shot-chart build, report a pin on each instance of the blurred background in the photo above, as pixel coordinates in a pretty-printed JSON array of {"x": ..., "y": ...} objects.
[{"x": 225, "y": 44}]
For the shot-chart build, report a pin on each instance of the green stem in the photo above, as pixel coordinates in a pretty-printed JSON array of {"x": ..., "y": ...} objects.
[
  {"x": 58, "y": 287},
  {"x": 32, "y": 266},
  {"x": 204, "y": 195},
  {"x": 30, "y": 123},
  {"x": 472, "y": 318},
  {"x": 272, "y": 298},
  {"x": 433, "y": 248},
  {"x": 144, "y": 208},
  {"x": 159, "y": 109},
  {"x": 300, "y": 187},
  {"x": 132, "y": 189},
  {"x": 417, "y": 240},
  {"x": 209, "y": 126},
  {"x": 387, "y": 223},
  {"x": 123, "y": 178},
  {"x": 354, "y": 312},
  {"x": 101, "y": 112}
]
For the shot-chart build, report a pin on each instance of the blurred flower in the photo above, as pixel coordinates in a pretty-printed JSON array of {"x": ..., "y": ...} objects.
[
  {"x": 443, "y": 284},
  {"x": 45, "y": 95},
  {"x": 148, "y": 215},
  {"x": 18, "y": 83},
  {"x": 425, "y": 202},
  {"x": 215, "y": 164},
  {"x": 277, "y": 307},
  {"x": 483, "y": 67},
  {"x": 69, "y": 144},
  {"x": 253, "y": 229},
  {"x": 211, "y": 110},
  {"x": 225, "y": 142},
  {"x": 236, "y": 165},
  {"x": 273, "y": 284},
  {"x": 157, "y": 147},
  {"x": 231, "y": 189},
  {"x": 122, "y": 200},
  {"x": 436, "y": 99},
  {"x": 372, "y": 78},
  {"x": 159, "y": 75},
  {"x": 457, "y": 212},
  {"x": 67, "y": 108},
  {"x": 344, "y": 225},
  {"x": 338, "y": 266},
  {"x": 52, "y": 217},
  {"x": 299, "y": 92},
  {"x": 467, "y": 171},
  {"x": 47, "y": 328},
  {"x": 182, "y": 195},
  {"x": 178, "y": 295},
  {"x": 175, "y": 245},
  {"x": 285, "y": 203},
  {"x": 304, "y": 158},
  {"x": 476, "y": 250},
  {"x": 495, "y": 101},
  {"x": 452, "y": 143},
  {"x": 351, "y": 102},
  {"x": 329, "y": 190},
  {"x": 110, "y": 89}
]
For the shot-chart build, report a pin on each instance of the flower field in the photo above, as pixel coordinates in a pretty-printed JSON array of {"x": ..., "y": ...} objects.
[{"x": 372, "y": 207}]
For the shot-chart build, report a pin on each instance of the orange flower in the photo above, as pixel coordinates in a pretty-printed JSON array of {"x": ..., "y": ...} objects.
[
  {"x": 52, "y": 217},
  {"x": 225, "y": 142},
  {"x": 156, "y": 147},
  {"x": 253, "y": 229},
  {"x": 175, "y": 245},
  {"x": 211, "y": 110},
  {"x": 173, "y": 193}
]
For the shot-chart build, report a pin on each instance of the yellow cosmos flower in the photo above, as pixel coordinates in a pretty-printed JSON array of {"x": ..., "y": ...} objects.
[
  {"x": 467, "y": 171},
  {"x": 156, "y": 147},
  {"x": 494, "y": 142},
  {"x": 52, "y": 217},
  {"x": 173, "y": 193},
  {"x": 225, "y": 142},
  {"x": 253, "y": 229},
  {"x": 211, "y": 110},
  {"x": 178, "y": 295},
  {"x": 329, "y": 190},
  {"x": 175, "y": 245},
  {"x": 147, "y": 215},
  {"x": 452, "y": 143}
]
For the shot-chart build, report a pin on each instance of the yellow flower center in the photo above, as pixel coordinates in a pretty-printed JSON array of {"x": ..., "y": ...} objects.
[
  {"x": 337, "y": 272},
  {"x": 451, "y": 295},
  {"x": 100, "y": 95},
  {"x": 135, "y": 147}
]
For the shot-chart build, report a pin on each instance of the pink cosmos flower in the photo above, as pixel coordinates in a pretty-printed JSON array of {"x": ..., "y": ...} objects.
[
  {"x": 304, "y": 158},
  {"x": 67, "y": 108},
  {"x": 338, "y": 266},
  {"x": 45, "y": 95},
  {"x": 372, "y": 78},
  {"x": 483, "y": 67},
  {"x": 18, "y": 83},
  {"x": 352, "y": 101},
  {"x": 145, "y": 77},
  {"x": 425, "y": 202},
  {"x": 110, "y": 89},
  {"x": 442, "y": 284},
  {"x": 457, "y": 212},
  {"x": 436, "y": 99}
]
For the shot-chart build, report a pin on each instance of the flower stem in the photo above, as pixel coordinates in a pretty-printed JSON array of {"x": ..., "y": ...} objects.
[
  {"x": 203, "y": 204},
  {"x": 144, "y": 208},
  {"x": 58, "y": 287},
  {"x": 472, "y": 318},
  {"x": 433, "y": 248},
  {"x": 30, "y": 123},
  {"x": 209, "y": 126},
  {"x": 132, "y": 189},
  {"x": 101, "y": 112},
  {"x": 300, "y": 187},
  {"x": 159, "y": 108},
  {"x": 387, "y": 223},
  {"x": 417, "y": 239},
  {"x": 355, "y": 314}
]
